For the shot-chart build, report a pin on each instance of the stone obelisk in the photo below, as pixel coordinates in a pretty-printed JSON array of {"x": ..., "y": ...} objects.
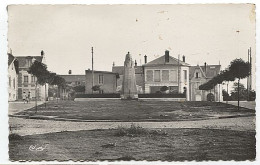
[{"x": 129, "y": 90}]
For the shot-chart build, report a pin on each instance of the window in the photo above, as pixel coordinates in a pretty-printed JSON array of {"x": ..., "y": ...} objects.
[
  {"x": 10, "y": 81},
  {"x": 33, "y": 79},
  {"x": 14, "y": 83},
  {"x": 165, "y": 75},
  {"x": 197, "y": 74},
  {"x": 157, "y": 75},
  {"x": 101, "y": 79},
  {"x": 25, "y": 79},
  {"x": 149, "y": 75},
  {"x": 197, "y": 85},
  {"x": 173, "y": 75},
  {"x": 185, "y": 75},
  {"x": 29, "y": 62}
]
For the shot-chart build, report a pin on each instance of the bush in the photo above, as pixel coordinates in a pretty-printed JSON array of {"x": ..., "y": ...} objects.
[
  {"x": 136, "y": 130},
  {"x": 15, "y": 136}
]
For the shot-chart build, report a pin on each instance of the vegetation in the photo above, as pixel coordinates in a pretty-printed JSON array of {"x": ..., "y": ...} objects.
[
  {"x": 39, "y": 70},
  {"x": 135, "y": 130},
  {"x": 238, "y": 69}
]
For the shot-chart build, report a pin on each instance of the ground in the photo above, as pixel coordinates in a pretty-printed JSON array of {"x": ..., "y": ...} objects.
[
  {"x": 118, "y": 110},
  {"x": 190, "y": 131}
]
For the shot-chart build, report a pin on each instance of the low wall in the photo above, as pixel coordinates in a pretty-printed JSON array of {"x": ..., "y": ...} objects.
[{"x": 117, "y": 95}]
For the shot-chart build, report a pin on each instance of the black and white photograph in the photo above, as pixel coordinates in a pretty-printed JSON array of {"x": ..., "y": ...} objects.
[{"x": 151, "y": 82}]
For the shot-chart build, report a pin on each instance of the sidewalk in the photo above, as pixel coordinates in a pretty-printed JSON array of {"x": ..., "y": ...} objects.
[
  {"x": 31, "y": 126},
  {"x": 245, "y": 104},
  {"x": 18, "y": 106}
]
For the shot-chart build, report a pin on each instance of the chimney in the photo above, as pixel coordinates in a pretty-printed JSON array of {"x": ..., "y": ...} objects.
[
  {"x": 135, "y": 63},
  {"x": 183, "y": 58},
  {"x": 167, "y": 56},
  {"x": 113, "y": 64},
  {"x": 205, "y": 67},
  {"x": 145, "y": 59},
  {"x": 42, "y": 53},
  {"x": 70, "y": 72}
]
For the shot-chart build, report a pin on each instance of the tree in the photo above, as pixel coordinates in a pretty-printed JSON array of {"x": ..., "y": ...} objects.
[
  {"x": 242, "y": 92},
  {"x": 96, "y": 88},
  {"x": 39, "y": 70},
  {"x": 79, "y": 88},
  {"x": 239, "y": 69},
  {"x": 225, "y": 95}
]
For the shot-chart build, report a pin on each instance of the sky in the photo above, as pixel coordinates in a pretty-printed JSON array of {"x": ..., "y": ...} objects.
[{"x": 203, "y": 33}]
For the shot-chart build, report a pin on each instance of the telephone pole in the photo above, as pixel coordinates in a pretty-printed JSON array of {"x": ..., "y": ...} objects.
[
  {"x": 92, "y": 69},
  {"x": 178, "y": 73}
]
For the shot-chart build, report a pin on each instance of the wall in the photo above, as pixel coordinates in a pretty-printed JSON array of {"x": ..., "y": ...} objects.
[
  {"x": 108, "y": 86},
  {"x": 12, "y": 83}
]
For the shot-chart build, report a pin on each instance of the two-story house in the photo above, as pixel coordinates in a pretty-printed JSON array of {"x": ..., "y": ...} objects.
[
  {"x": 166, "y": 71},
  {"x": 13, "y": 71},
  {"x": 200, "y": 75},
  {"x": 26, "y": 81}
]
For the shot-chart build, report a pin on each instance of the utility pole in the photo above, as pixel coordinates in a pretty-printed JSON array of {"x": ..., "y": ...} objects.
[
  {"x": 248, "y": 59},
  {"x": 178, "y": 73},
  {"x": 92, "y": 69},
  {"x": 250, "y": 69}
]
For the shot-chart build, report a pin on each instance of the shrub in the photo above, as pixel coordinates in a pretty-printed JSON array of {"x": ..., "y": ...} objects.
[
  {"x": 15, "y": 136},
  {"x": 135, "y": 130}
]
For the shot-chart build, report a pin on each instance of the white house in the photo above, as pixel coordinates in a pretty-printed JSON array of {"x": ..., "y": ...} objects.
[
  {"x": 166, "y": 71},
  {"x": 12, "y": 77}
]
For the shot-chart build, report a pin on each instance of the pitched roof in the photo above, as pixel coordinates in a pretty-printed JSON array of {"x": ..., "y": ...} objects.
[
  {"x": 22, "y": 60},
  {"x": 120, "y": 69},
  {"x": 11, "y": 59},
  {"x": 161, "y": 61},
  {"x": 211, "y": 70},
  {"x": 73, "y": 78}
]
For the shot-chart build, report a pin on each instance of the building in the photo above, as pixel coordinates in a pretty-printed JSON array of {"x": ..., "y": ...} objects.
[
  {"x": 166, "y": 71},
  {"x": 163, "y": 71},
  {"x": 104, "y": 80},
  {"x": 26, "y": 81},
  {"x": 200, "y": 75},
  {"x": 74, "y": 80},
  {"x": 13, "y": 71}
]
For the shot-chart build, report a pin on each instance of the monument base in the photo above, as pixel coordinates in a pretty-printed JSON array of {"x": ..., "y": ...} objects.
[{"x": 129, "y": 97}]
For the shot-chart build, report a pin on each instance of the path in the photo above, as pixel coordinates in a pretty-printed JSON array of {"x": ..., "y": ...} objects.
[
  {"x": 18, "y": 106},
  {"x": 245, "y": 104},
  {"x": 31, "y": 126}
]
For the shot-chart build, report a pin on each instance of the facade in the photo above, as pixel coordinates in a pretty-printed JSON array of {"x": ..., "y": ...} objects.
[
  {"x": 166, "y": 71},
  {"x": 107, "y": 81},
  {"x": 13, "y": 71},
  {"x": 200, "y": 75},
  {"x": 26, "y": 81}
]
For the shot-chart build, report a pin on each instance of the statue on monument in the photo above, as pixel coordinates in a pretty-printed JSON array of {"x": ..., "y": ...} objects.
[{"x": 129, "y": 90}]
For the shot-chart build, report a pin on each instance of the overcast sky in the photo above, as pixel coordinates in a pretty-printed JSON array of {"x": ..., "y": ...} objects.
[{"x": 203, "y": 33}]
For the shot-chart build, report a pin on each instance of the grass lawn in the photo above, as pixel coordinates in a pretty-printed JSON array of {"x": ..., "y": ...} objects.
[
  {"x": 137, "y": 144},
  {"x": 137, "y": 110}
]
